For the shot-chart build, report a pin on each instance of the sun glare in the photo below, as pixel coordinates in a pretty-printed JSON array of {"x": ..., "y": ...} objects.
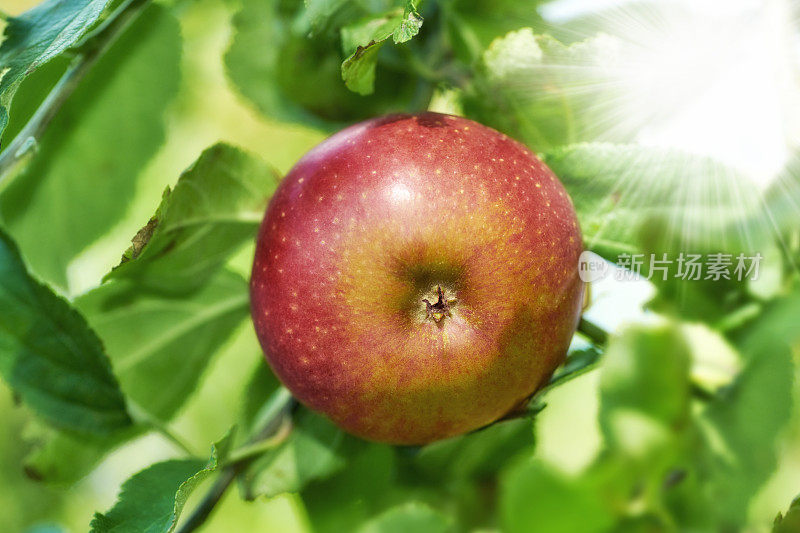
[{"x": 717, "y": 78}]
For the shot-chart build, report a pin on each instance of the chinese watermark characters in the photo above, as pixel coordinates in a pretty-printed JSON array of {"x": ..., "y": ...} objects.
[{"x": 684, "y": 266}]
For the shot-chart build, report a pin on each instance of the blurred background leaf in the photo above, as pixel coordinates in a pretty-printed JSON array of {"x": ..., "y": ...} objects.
[
  {"x": 95, "y": 148},
  {"x": 409, "y": 517},
  {"x": 35, "y": 37},
  {"x": 476, "y": 455},
  {"x": 633, "y": 198},
  {"x": 644, "y": 387},
  {"x": 160, "y": 346},
  {"x": 63, "y": 457},
  {"x": 296, "y": 78},
  {"x": 531, "y": 494},
  {"x": 543, "y": 92},
  {"x": 790, "y": 521}
]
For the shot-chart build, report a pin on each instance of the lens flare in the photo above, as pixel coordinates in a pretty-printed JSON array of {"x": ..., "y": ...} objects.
[{"x": 714, "y": 86}]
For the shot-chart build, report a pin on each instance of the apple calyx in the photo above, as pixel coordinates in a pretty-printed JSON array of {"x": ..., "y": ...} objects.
[{"x": 437, "y": 311}]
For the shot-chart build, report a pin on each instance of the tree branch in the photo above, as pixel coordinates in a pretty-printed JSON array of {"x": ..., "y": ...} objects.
[
  {"x": 91, "y": 48},
  {"x": 270, "y": 422},
  {"x": 211, "y": 499},
  {"x": 147, "y": 421},
  {"x": 593, "y": 332}
]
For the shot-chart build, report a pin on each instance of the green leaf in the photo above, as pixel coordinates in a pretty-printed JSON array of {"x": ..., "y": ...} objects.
[
  {"x": 644, "y": 387},
  {"x": 260, "y": 389},
  {"x": 161, "y": 345},
  {"x": 17, "y": 492},
  {"x": 715, "y": 362},
  {"x": 730, "y": 450},
  {"x": 82, "y": 178},
  {"x": 539, "y": 90},
  {"x": 709, "y": 301},
  {"x": 790, "y": 522},
  {"x": 474, "y": 24},
  {"x": 254, "y": 62},
  {"x": 783, "y": 195},
  {"x": 367, "y": 486},
  {"x": 153, "y": 499},
  {"x": 664, "y": 453},
  {"x": 63, "y": 457},
  {"x": 632, "y": 198},
  {"x": 148, "y": 500},
  {"x": 645, "y": 416},
  {"x": 778, "y": 320},
  {"x": 782, "y": 202},
  {"x": 27, "y": 99},
  {"x": 50, "y": 356},
  {"x": 533, "y": 496},
  {"x": 217, "y": 205},
  {"x": 370, "y": 29},
  {"x": 412, "y": 516},
  {"x": 476, "y": 454},
  {"x": 447, "y": 100},
  {"x": 358, "y": 70},
  {"x": 364, "y": 39},
  {"x": 318, "y": 12},
  {"x": 745, "y": 423},
  {"x": 314, "y": 450},
  {"x": 578, "y": 362},
  {"x": 38, "y": 35},
  {"x": 286, "y": 74},
  {"x": 409, "y": 25}
]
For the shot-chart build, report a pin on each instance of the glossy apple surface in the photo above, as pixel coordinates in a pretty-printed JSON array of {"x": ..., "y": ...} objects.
[{"x": 416, "y": 277}]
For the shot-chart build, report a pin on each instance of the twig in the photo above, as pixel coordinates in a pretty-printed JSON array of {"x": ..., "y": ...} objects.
[
  {"x": 89, "y": 51},
  {"x": 593, "y": 332},
  {"x": 272, "y": 420},
  {"x": 171, "y": 437},
  {"x": 250, "y": 451},
  {"x": 210, "y": 500},
  {"x": 144, "y": 419},
  {"x": 584, "y": 360},
  {"x": 576, "y": 365}
]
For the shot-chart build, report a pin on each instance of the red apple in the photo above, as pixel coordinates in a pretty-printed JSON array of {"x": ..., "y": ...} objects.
[{"x": 416, "y": 277}]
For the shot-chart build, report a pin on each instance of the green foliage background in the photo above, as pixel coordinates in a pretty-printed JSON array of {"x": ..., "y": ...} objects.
[{"x": 117, "y": 378}]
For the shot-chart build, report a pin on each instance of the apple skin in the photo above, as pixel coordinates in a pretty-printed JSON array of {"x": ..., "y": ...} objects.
[{"x": 363, "y": 235}]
